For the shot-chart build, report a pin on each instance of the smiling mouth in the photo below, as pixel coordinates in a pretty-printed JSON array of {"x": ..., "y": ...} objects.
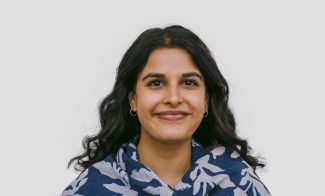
[{"x": 172, "y": 115}]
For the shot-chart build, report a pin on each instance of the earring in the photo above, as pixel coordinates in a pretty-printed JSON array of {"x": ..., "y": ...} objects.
[
  {"x": 205, "y": 114},
  {"x": 132, "y": 113}
]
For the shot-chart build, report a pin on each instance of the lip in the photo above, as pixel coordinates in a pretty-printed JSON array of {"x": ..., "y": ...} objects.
[{"x": 172, "y": 115}]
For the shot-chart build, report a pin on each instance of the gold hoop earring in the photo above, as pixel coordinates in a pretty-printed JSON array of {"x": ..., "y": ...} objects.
[
  {"x": 132, "y": 113},
  {"x": 205, "y": 114}
]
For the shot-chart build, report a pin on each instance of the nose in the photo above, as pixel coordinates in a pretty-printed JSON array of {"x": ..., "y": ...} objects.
[{"x": 173, "y": 96}]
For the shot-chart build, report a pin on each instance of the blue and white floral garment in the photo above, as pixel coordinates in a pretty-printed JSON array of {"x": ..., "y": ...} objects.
[{"x": 221, "y": 172}]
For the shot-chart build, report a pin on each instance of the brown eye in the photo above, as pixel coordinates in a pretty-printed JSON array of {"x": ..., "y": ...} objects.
[
  {"x": 191, "y": 83},
  {"x": 156, "y": 83}
]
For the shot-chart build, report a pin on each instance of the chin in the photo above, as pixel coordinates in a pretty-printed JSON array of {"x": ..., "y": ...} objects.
[{"x": 173, "y": 136}]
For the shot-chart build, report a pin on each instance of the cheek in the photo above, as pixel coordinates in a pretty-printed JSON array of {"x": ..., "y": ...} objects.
[
  {"x": 197, "y": 102},
  {"x": 146, "y": 102}
]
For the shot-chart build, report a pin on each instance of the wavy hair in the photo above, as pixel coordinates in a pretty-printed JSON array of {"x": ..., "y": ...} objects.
[{"x": 118, "y": 127}]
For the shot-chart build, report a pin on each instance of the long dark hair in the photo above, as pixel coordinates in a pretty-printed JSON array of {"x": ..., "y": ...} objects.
[{"x": 118, "y": 127}]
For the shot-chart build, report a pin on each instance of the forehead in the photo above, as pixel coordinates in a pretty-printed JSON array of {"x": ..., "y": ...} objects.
[{"x": 169, "y": 61}]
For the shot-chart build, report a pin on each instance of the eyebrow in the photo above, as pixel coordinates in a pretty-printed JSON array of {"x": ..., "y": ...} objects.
[{"x": 160, "y": 75}]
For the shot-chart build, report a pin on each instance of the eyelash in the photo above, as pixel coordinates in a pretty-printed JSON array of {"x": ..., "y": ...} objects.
[
  {"x": 193, "y": 82},
  {"x": 151, "y": 83},
  {"x": 161, "y": 82}
]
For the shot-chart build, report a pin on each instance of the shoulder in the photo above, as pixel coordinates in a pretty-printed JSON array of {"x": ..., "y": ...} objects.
[
  {"x": 227, "y": 158},
  {"x": 94, "y": 179},
  {"x": 238, "y": 178}
]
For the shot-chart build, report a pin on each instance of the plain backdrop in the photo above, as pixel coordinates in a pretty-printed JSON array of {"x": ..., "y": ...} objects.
[{"x": 58, "y": 60}]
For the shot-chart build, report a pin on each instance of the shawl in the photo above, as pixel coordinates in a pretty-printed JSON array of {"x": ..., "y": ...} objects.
[{"x": 220, "y": 171}]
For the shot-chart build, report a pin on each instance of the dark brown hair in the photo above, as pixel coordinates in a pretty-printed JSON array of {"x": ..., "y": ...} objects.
[{"x": 118, "y": 127}]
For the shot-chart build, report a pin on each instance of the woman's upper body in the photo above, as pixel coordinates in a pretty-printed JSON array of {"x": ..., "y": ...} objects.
[
  {"x": 220, "y": 171},
  {"x": 171, "y": 96}
]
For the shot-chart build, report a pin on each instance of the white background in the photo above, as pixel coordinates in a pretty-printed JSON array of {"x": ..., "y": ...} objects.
[{"x": 58, "y": 60}]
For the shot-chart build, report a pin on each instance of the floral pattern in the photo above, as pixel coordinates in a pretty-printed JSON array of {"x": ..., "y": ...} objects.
[{"x": 221, "y": 171}]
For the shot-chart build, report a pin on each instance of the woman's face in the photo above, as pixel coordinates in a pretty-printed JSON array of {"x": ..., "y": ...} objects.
[{"x": 170, "y": 98}]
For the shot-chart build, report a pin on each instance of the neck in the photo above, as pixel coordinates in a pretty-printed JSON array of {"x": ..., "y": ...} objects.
[{"x": 169, "y": 160}]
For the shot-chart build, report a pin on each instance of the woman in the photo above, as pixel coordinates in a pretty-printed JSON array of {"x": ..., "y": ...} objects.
[{"x": 166, "y": 128}]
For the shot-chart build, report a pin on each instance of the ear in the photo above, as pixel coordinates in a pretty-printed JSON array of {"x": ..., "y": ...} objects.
[{"x": 132, "y": 101}]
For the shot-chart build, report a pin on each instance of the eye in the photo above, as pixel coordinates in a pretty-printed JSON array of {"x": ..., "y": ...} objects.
[
  {"x": 156, "y": 83},
  {"x": 190, "y": 83}
]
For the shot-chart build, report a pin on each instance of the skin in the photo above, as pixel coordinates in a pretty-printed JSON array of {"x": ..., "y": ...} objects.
[{"x": 170, "y": 101}]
